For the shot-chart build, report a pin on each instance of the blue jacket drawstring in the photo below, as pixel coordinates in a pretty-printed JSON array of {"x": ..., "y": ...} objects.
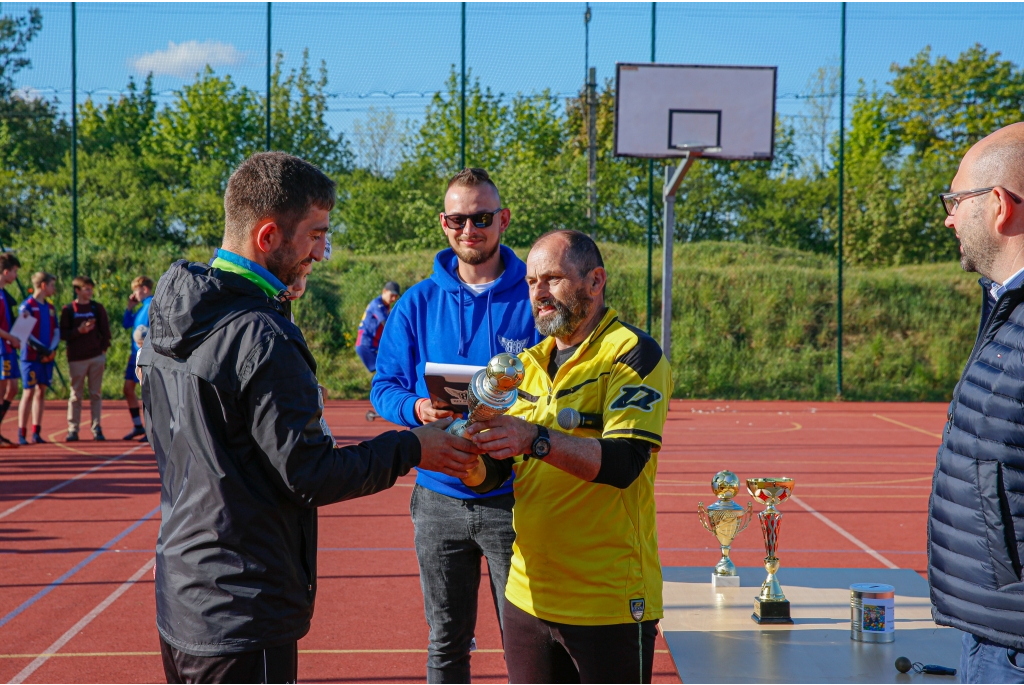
[
  {"x": 490, "y": 330},
  {"x": 462, "y": 337}
]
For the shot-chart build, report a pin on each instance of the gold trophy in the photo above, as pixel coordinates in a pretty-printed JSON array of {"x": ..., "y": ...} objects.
[
  {"x": 492, "y": 391},
  {"x": 725, "y": 519},
  {"x": 771, "y": 606}
]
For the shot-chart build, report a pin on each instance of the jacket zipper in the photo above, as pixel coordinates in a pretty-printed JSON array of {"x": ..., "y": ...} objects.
[{"x": 978, "y": 344}]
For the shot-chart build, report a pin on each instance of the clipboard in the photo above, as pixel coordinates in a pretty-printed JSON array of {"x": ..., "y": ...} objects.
[{"x": 448, "y": 385}]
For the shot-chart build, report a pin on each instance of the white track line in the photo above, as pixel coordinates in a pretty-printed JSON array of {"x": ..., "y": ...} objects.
[
  {"x": 57, "y": 487},
  {"x": 80, "y": 626},
  {"x": 842, "y": 531}
]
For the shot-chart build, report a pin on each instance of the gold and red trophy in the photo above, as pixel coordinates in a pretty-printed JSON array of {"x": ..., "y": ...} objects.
[{"x": 771, "y": 606}]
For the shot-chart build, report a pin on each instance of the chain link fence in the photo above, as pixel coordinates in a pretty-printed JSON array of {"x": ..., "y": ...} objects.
[{"x": 169, "y": 97}]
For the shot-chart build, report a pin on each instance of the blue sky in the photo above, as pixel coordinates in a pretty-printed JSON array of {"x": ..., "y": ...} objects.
[{"x": 396, "y": 54}]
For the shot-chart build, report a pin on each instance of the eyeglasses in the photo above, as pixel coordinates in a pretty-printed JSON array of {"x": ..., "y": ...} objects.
[
  {"x": 950, "y": 201},
  {"x": 480, "y": 219}
]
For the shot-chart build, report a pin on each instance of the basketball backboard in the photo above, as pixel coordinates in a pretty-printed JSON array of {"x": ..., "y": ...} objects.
[{"x": 670, "y": 110}]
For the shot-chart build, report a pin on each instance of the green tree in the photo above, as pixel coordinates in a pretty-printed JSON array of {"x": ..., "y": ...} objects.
[
  {"x": 299, "y": 104},
  {"x": 905, "y": 144}
]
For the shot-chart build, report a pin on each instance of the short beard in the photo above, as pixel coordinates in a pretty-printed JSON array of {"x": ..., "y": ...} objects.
[
  {"x": 567, "y": 317},
  {"x": 979, "y": 249},
  {"x": 471, "y": 256},
  {"x": 282, "y": 264}
]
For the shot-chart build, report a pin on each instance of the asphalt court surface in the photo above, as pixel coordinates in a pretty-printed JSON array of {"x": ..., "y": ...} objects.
[{"x": 78, "y": 524}]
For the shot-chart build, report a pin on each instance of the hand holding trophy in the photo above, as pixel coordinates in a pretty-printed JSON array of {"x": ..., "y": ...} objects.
[
  {"x": 492, "y": 391},
  {"x": 725, "y": 519}
]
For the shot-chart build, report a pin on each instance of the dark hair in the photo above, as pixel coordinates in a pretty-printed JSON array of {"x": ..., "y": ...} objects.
[
  {"x": 275, "y": 185},
  {"x": 8, "y": 261},
  {"x": 473, "y": 176},
  {"x": 41, "y": 278},
  {"x": 81, "y": 281},
  {"x": 581, "y": 250}
]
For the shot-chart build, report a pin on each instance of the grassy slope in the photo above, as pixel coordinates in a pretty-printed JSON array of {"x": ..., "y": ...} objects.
[{"x": 748, "y": 321}]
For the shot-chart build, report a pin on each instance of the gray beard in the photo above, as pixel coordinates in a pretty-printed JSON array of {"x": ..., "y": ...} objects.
[{"x": 567, "y": 317}]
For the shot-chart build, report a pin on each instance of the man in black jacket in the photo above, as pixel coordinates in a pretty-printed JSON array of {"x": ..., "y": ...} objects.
[
  {"x": 233, "y": 413},
  {"x": 976, "y": 513}
]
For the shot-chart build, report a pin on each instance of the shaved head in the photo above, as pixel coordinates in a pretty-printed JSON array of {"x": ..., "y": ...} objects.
[
  {"x": 998, "y": 159},
  {"x": 990, "y": 224}
]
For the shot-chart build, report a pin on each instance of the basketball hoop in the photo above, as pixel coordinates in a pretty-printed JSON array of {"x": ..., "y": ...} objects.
[{"x": 686, "y": 112}]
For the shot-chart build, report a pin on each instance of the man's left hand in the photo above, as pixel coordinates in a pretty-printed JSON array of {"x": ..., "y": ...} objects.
[{"x": 503, "y": 437}]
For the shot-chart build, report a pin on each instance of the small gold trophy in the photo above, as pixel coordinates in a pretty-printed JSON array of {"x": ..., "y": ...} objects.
[
  {"x": 725, "y": 519},
  {"x": 492, "y": 391},
  {"x": 771, "y": 606}
]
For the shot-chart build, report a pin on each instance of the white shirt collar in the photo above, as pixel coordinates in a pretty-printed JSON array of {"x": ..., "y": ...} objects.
[{"x": 1014, "y": 281}]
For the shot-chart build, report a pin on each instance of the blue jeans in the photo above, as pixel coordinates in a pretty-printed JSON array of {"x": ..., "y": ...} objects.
[
  {"x": 452, "y": 535},
  {"x": 984, "y": 661}
]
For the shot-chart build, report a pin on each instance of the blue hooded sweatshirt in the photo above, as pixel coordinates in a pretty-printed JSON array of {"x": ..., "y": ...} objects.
[{"x": 440, "y": 320}]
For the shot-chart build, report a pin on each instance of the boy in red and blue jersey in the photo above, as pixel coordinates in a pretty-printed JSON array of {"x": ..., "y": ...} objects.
[
  {"x": 372, "y": 325},
  {"x": 136, "y": 321},
  {"x": 37, "y": 353},
  {"x": 10, "y": 370}
]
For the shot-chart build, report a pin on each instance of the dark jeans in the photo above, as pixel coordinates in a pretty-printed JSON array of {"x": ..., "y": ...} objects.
[
  {"x": 538, "y": 651},
  {"x": 984, "y": 661},
  {"x": 451, "y": 537},
  {"x": 274, "y": 665}
]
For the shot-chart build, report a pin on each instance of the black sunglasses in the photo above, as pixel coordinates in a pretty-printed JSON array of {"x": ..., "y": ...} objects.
[{"x": 480, "y": 219}]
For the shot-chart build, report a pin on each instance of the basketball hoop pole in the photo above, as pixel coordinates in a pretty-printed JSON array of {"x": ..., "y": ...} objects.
[{"x": 673, "y": 179}]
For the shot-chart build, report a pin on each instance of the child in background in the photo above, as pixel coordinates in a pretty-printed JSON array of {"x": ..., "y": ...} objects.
[
  {"x": 10, "y": 370},
  {"x": 142, "y": 295},
  {"x": 37, "y": 354}
]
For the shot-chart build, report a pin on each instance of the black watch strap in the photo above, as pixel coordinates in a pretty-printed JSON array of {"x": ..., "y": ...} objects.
[{"x": 541, "y": 446}]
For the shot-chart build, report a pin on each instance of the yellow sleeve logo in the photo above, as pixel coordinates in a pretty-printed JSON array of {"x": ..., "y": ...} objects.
[{"x": 641, "y": 397}]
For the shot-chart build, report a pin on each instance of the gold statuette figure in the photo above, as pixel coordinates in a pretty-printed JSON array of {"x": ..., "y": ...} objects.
[{"x": 725, "y": 519}]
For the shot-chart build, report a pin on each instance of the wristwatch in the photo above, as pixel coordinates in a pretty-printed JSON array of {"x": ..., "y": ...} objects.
[{"x": 541, "y": 444}]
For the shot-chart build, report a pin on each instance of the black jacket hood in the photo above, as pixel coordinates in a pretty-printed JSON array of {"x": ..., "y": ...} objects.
[{"x": 193, "y": 300}]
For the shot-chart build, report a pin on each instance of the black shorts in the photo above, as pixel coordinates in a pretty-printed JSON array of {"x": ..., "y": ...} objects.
[
  {"x": 539, "y": 651},
  {"x": 274, "y": 665}
]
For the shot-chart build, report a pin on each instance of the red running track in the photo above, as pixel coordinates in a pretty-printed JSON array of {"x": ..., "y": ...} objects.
[{"x": 77, "y": 600}]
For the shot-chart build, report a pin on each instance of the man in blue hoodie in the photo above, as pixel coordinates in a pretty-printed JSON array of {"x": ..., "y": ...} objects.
[{"x": 475, "y": 305}]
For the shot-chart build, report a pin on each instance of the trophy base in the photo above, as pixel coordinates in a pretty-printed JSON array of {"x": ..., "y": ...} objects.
[
  {"x": 771, "y": 612},
  {"x": 724, "y": 581}
]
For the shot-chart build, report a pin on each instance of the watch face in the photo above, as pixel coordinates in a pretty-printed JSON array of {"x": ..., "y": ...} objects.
[{"x": 542, "y": 447}]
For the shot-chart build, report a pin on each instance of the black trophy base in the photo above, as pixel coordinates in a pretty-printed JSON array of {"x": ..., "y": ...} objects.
[{"x": 771, "y": 612}]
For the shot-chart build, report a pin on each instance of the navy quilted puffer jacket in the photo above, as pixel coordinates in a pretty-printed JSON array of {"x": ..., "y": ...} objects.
[{"x": 976, "y": 512}]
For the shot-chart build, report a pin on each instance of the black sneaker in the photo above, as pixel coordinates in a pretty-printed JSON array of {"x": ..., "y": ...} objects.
[
  {"x": 6, "y": 444},
  {"x": 72, "y": 437},
  {"x": 37, "y": 439},
  {"x": 145, "y": 438},
  {"x": 136, "y": 432},
  {"x": 97, "y": 435}
]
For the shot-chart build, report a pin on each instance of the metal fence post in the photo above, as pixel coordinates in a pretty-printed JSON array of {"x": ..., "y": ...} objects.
[
  {"x": 668, "y": 241},
  {"x": 268, "y": 79},
  {"x": 842, "y": 173},
  {"x": 74, "y": 147},
  {"x": 462, "y": 109},
  {"x": 650, "y": 200}
]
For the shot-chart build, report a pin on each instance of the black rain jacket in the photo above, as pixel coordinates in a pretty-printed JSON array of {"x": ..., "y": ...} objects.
[{"x": 233, "y": 413}]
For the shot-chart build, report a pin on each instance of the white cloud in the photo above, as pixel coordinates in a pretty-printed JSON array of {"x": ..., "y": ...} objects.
[
  {"x": 28, "y": 94},
  {"x": 185, "y": 59}
]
